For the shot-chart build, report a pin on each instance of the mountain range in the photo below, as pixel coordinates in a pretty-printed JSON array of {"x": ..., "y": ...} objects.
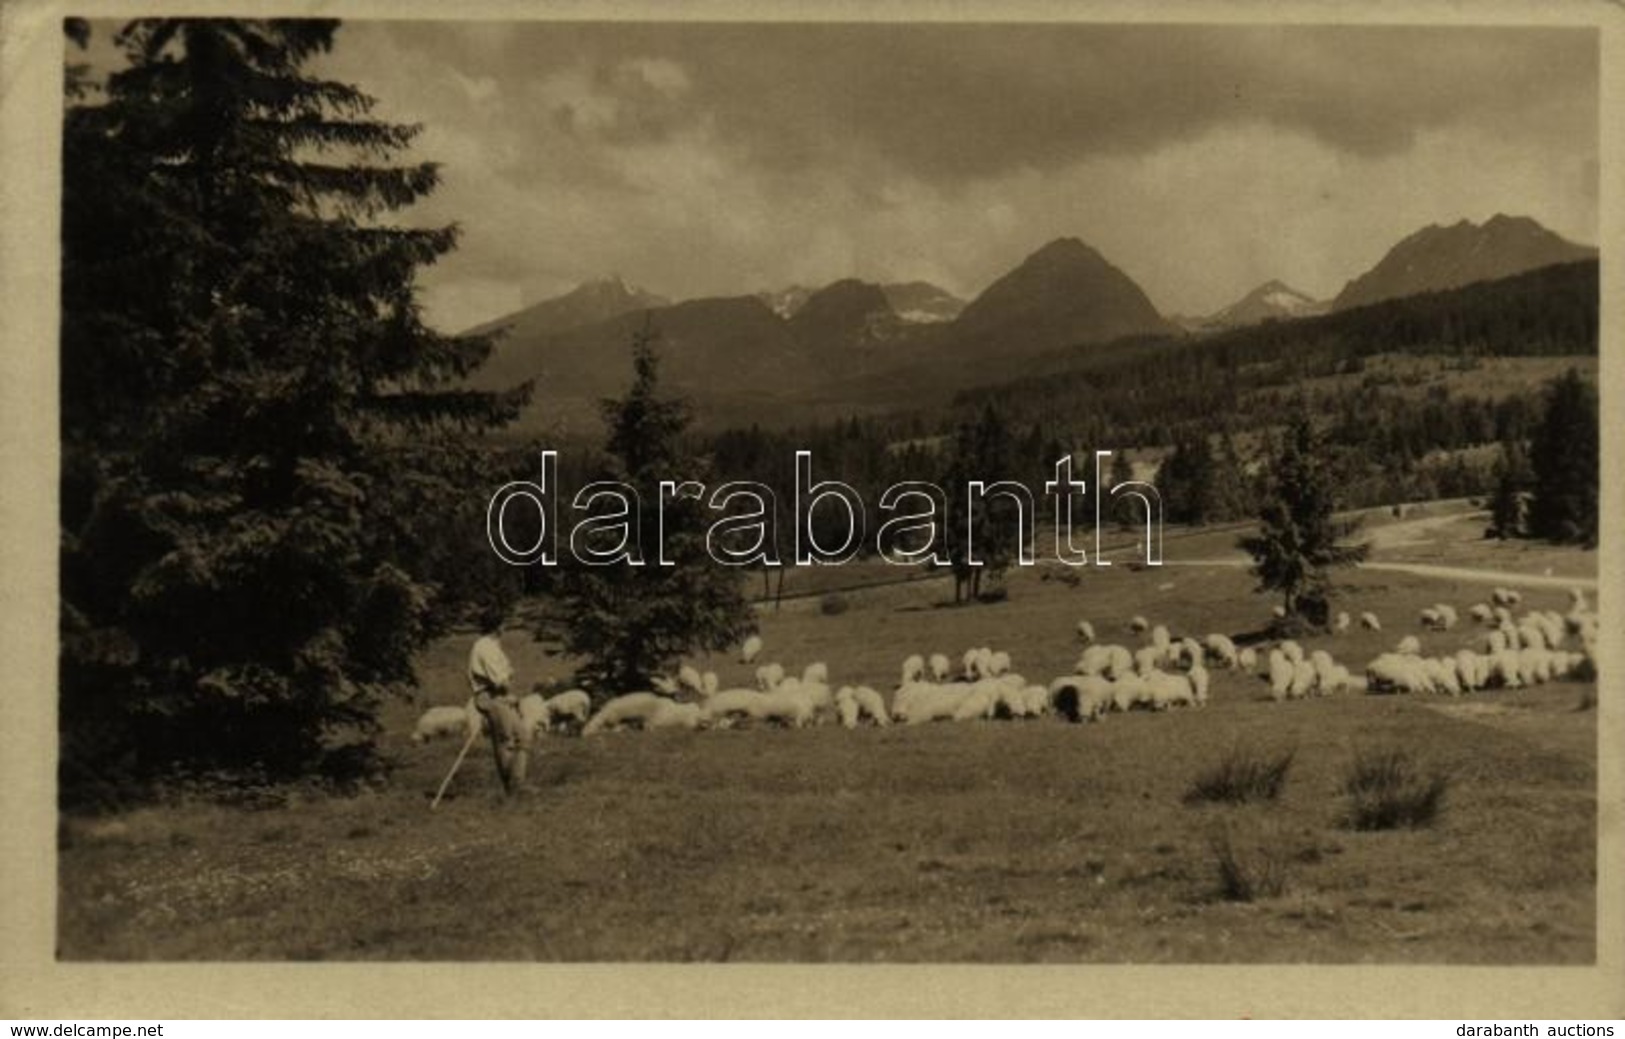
[{"x": 801, "y": 354}]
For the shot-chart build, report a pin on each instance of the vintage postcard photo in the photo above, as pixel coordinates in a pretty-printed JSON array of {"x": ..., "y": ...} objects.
[{"x": 930, "y": 497}]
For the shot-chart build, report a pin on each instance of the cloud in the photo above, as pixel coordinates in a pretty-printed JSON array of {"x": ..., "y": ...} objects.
[{"x": 721, "y": 158}]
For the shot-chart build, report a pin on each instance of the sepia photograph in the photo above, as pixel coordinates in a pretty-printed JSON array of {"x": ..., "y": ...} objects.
[{"x": 981, "y": 491}]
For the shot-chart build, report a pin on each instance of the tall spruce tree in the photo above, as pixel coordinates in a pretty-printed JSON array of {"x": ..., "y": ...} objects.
[
  {"x": 253, "y": 410},
  {"x": 630, "y": 622},
  {"x": 1564, "y": 454},
  {"x": 1299, "y": 541}
]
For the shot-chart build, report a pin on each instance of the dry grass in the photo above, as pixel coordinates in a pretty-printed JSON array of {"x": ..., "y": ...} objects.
[
  {"x": 988, "y": 841},
  {"x": 1388, "y": 790},
  {"x": 1242, "y": 775}
]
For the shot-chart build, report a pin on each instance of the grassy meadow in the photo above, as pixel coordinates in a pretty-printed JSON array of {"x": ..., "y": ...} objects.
[{"x": 1000, "y": 842}]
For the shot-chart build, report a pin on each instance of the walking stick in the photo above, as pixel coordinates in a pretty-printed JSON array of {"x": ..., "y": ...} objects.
[{"x": 473, "y": 734}]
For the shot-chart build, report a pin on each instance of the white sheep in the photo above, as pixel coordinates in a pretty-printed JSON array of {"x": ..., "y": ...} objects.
[
  {"x": 913, "y": 669},
  {"x": 445, "y": 721},
  {"x": 1430, "y": 618},
  {"x": 1169, "y": 690},
  {"x": 1130, "y": 692},
  {"x": 1303, "y": 680},
  {"x": 998, "y": 663},
  {"x": 1146, "y": 659},
  {"x": 788, "y": 703},
  {"x": 768, "y": 676},
  {"x": 665, "y": 685},
  {"x": 1223, "y": 650},
  {"x": 1138, "y": 624},
  {"x": 726, "y": 705},
  {"x": 1409, "y": 645},
  {"x": 673, "y": 715},
  {"x": 573, "y": 704},
  {"x": 920, "y": 702},
  {"x": 940, "y": 667},
  {"x": 1447, "y": 615},
  {"x": 533, "y": 712},
  {"x": 689, "y": 678},
  {"x": 1200, "y": 680},
  {"x": 1369, "y": 621},
  {"x": 1395, "y": 672},
  {"x": 1079, "y": 698},
  {"x": 1086, "y": 632},
  {"x": 1278, "y": 612},
  {"x": 1280, "y": 675},
  {"x": 1292, "y": 651},
  {"x": 628, "y": 709},
  {"x": 846, "y": 708},
  {"x": 1481, "y": 612},
  {"x": 1160, "y": 638},
  {"x": 750, "y": 649},
  {"x": 815, "y": 673},
  {"x": 1342, "y": 623},
  {"x": 871, "y": 703},
  {"x": 1247, "y": 659}
]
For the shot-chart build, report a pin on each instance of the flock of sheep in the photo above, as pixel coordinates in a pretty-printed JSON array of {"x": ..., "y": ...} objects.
[{"x": 1163, "y": 672}]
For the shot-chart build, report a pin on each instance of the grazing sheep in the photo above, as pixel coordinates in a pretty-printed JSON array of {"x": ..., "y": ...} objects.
[
  {"x": 1086, "y": 632},
  {"x": 1138, "y": 624},
  {"x": 1506, "y": 597},
  {"x": 1095, "y": 660},
  {"x": 816, "y": 672},
  {"x": 533, "y": 712},
  {"x": 940, "y": 668},
  {"x": 1222, "y": 650},
  {"x": 750, "y": 649},
  {"x": 1169, "y": 690},
  {"x": 573, "y": 705},
  {"x": 787, "y": 704},
  {"x": 689, "y": 678},
  {"x": 1278, "y": 612},
  {"x": 1342, "y": 623},
  {"x": 977, "y": 702},
  {"x": 998, "y": 663},
  {"x": 729, "y": 704},
  {"x": 445, "y": 721},
  {"x": 629, "y": 709},
  {"x": 672, "y": 715},
  {"x": 768, "y": 676},
  {"x": 1369, "y": 621},
  {"x": 913, "y": 669},
  {"x": 1199, "y": 679},
  {"x": 1447, "y": 615},
  {"x": 846, "y": 708},
  {"x": 1409, "y": 645},
  {"x": 1130, "y": 692},
  {"x": 921, "y": 702},
  {"x": 1430, "y": 618},
  {"x": 1324, "y": 667},
  {"x": 971, "y": 665},
  {"x": 1160, "y": 637},
  {"x": 1187, "y": 652},
  {"x": 1280, "y": 675},
  {"x": 871, "y": 704},
  {"x": 1481, "y": 612},
  {"x": 1247, "y": 659},
  {"x": 1506, "y": 669},
  {"x": 1303, "y": 680},
  {"x": 1292, "y": 651},
  {"x": 818, "y": 697},
  {"x": 1146, "y": 659},
  {"x": 1079, "y": 698},
  {"x": 1395, "y": 672},
  {"x": 708, "y": 683}
]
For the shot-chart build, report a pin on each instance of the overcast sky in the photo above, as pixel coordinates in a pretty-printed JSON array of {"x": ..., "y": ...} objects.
[{"x": 717, "y": 159}]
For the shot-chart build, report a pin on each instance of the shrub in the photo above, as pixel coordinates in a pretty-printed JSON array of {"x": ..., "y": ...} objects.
[
  {"x": 1247, "y": 875},
  {"x": 1242, "y": 775},
  {"x": 833, "y": 605},
  {"x": 1388, "y": 790}
]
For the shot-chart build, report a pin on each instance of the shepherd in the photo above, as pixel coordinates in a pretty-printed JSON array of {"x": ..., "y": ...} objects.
[{"x": 490, "y": 677}]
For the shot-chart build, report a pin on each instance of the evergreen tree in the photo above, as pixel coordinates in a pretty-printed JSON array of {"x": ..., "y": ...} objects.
[
  {"x": 1299, "y": 541},
  {"x": 631, "y": 622},
  {"x": 250, "y": 402},
  {"x": 1128, "y": 511},
  {"x": 1507, "y": 502},
  {"x": 1564, "y": 455}
]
